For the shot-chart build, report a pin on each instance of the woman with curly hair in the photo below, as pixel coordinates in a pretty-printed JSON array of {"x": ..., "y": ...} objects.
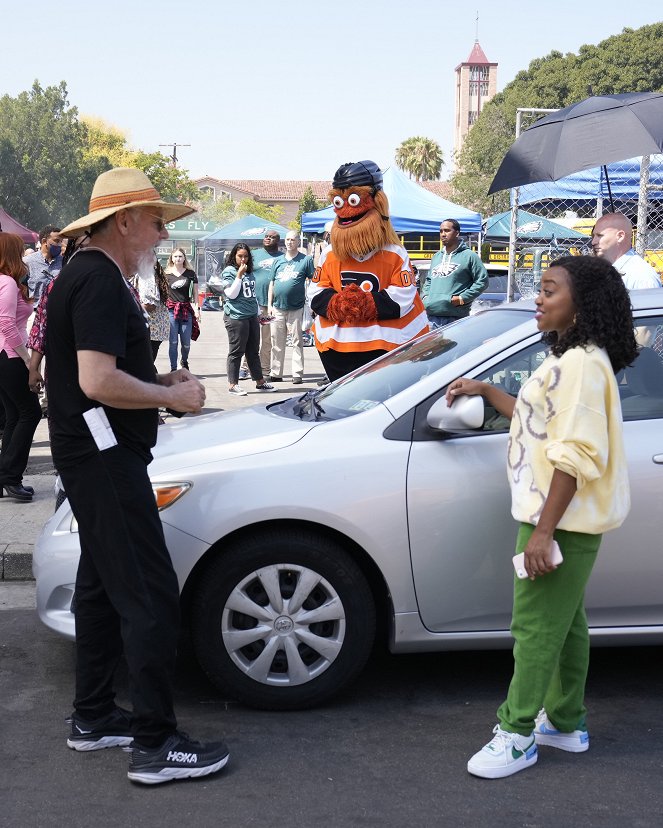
[
  {"x": 21, "y": 404},
  {"x": 240, "y": 316},
  {"x": 569, "y": 484}
]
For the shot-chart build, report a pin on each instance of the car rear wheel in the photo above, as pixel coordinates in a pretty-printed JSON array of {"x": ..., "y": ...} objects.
[{"x": 283, "y": 620}]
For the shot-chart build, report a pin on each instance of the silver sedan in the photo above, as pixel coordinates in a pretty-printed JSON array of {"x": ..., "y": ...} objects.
[{"x": 302, "y": 530}]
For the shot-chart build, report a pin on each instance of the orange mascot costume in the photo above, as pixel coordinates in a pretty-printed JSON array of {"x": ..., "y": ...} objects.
[{"x": 363, "y": 292}]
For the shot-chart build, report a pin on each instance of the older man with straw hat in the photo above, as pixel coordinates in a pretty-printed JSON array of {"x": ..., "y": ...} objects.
[{"x": 104, "y": 396}]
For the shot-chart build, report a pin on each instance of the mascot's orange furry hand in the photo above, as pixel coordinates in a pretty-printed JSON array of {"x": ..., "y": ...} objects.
[{"x": 352, "y": 306}]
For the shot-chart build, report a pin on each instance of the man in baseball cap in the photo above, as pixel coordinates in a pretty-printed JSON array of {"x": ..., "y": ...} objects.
[{"x": 104, "y": 396}]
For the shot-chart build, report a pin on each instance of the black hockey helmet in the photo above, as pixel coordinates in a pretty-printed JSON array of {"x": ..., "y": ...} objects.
[{"x": 358, "y": 174}]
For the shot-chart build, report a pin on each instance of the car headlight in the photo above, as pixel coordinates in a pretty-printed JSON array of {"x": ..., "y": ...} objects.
[{"x": 165, "y": 495}]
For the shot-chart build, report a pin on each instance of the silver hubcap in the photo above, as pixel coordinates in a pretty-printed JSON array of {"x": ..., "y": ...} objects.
[{"x": 283, "y": 625}]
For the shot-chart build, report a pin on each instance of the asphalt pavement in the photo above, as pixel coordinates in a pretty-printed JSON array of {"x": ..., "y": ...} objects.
[
  {"x": 389, "y": 752},
  {"x": 21, "y": 523}
]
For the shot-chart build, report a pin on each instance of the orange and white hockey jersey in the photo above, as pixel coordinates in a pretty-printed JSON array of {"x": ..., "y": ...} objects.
[{"x": 386, "y": 274}]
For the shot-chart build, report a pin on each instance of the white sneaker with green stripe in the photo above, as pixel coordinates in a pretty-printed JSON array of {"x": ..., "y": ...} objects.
[{"x": 505, "y": 754}]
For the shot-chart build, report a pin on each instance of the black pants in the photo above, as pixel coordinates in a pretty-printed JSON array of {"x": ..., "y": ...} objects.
[
  {"x": 127, "y": 595},
  {"x": 22, "y": 415},
  {"x": 243, "y": 338},
  {"x": 155, "y": 343},
  {"x": 338, "y": 363}
]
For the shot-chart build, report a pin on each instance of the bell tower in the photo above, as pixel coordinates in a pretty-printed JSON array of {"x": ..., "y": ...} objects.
[{"x": 476, "y": 84}]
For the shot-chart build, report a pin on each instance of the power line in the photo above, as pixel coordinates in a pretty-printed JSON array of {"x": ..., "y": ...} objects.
[{"x": 174, "y": 145}]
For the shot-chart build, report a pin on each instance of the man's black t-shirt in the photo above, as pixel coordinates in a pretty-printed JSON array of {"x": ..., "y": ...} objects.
[{"x": 91, "y": 308}]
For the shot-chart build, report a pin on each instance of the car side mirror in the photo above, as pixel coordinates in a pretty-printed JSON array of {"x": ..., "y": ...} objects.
[{"x": 466, "y": 414}]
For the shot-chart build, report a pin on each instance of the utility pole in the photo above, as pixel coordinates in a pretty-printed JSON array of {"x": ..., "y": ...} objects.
[{"x": 173, "y": 157}]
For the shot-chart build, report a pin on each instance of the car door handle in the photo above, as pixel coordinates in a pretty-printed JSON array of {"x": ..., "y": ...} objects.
[{"x": 658, "y": 458}]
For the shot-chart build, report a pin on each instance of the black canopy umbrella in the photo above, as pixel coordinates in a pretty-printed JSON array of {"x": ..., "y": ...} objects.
[{"x": 592, "y": 133}]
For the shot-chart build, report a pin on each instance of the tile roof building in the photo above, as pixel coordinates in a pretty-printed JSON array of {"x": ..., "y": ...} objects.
[
  {"x": 266, "y": 191},
  {"x": 285, "y": 193}
]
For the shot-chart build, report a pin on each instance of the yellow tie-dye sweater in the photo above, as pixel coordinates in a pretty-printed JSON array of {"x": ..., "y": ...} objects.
[{"x": 568, "y": 417}]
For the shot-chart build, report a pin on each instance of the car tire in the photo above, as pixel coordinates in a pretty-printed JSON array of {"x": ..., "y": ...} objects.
[{"x": 268, "y": 654}]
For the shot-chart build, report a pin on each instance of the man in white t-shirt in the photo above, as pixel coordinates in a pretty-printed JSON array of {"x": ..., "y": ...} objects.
[{"x": 611, "y": 239}]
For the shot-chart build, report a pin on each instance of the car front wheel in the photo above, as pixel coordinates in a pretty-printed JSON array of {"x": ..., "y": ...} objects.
[{"x": 283, "y": 620}]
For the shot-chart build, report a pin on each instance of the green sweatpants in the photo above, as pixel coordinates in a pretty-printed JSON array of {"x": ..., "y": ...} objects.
[{"x": 551, "y": 650}]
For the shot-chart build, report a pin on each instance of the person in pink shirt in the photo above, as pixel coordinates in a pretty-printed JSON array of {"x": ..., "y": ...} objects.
[{"x": 21, "y": 404}]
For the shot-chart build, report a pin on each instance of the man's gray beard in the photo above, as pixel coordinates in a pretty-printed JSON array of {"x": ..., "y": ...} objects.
[{"x": 145, "y": 265}]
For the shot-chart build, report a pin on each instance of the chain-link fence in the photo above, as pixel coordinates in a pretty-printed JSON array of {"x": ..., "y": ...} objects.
[{"x": 556, "y": 218}]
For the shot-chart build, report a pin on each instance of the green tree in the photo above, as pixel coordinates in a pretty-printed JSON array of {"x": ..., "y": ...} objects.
[
  {"x": 173, "y": 183},
  {"x": 308, "y": 203},
  {"x": 420, "y": 157},
  {"x": 225, "y": 210},
  {"x": 109, "y": 143},
  {"x": 481, "y": 156},
  {"x": 44, "y": 177},
  {"x": 627, "y": 62},
  {"x": 222, "y": 211},
  {"x": 106, "y": 140},
  {"x": 249, "y": 206}
]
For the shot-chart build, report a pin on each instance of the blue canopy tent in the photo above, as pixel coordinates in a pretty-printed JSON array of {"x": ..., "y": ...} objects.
[
  {"x": 412, "y": 209},
  {"x": 528, "y": 228},
  {"x": 212, "y": 249},
  {"x": 248, "y": 228},
  {"x": 590, "y": 185}
]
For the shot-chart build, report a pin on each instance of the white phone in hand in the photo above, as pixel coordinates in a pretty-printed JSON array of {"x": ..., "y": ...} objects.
[{"x": 519, "y": 560}]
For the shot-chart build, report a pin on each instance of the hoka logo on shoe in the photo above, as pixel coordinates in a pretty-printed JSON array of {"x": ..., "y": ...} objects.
[{"x": 178, "y": 756}]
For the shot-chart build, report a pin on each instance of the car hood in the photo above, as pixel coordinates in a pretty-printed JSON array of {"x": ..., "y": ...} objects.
[{"x": 223, "y": 436}]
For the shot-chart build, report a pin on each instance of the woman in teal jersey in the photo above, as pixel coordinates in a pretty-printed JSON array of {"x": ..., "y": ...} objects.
[{"x": 240, "y": 309}]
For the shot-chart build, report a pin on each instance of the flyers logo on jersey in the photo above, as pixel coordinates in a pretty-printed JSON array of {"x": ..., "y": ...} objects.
[{"x": 368, "y": 282}]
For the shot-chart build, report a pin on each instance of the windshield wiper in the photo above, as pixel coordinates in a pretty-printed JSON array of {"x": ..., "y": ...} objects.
[
  {"x": 317, "y": 410},
  {"x": 300, "y": 407},
  {"x": 308, "y": 406}
]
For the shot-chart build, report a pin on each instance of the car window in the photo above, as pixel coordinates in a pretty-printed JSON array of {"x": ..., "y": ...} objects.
[
  {"x": 641, "y": 384},
  {"x": 400, "y": 369},
  {"x": 387, "y": 376},
  {"x": 508, "y": 376}
]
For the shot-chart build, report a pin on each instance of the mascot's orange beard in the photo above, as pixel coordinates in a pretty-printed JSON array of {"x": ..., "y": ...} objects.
[{"x": 368, "y": 233}]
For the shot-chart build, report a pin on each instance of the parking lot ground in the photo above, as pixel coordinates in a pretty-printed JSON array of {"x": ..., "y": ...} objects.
[{"x": 391, "y": 751}]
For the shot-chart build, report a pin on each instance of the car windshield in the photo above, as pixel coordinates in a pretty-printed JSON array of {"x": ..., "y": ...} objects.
[{"x": 401, "y": 368}]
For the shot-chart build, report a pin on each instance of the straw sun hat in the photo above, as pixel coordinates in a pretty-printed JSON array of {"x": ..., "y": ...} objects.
[{"x": 119, "y": 189}]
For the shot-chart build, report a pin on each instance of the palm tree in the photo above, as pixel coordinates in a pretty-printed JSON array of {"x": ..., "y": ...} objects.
[{"x": 420, "y": 157}]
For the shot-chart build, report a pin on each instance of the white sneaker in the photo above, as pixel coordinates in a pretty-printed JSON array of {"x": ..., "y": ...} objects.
[
  {"x": 505, "y": 754},
  {"x": 236, "y": 391},
  {"x": 577, "y": 741}
]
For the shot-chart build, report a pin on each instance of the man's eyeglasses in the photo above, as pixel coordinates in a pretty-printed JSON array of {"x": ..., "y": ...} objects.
[{"x": 158, "y": 222}]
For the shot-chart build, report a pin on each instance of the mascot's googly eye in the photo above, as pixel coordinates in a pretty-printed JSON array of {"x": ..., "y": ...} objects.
[
  {"x": 354, "y": 200},
  {"x": 338, "y": 202}
]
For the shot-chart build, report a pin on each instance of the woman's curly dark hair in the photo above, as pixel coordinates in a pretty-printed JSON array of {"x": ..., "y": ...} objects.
[
  {"x": 603, "y": 311},
  {"x": 232, "y": 260}
]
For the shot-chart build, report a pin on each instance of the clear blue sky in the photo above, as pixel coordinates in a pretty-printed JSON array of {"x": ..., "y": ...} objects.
[{"x": 285, "y": 89}]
